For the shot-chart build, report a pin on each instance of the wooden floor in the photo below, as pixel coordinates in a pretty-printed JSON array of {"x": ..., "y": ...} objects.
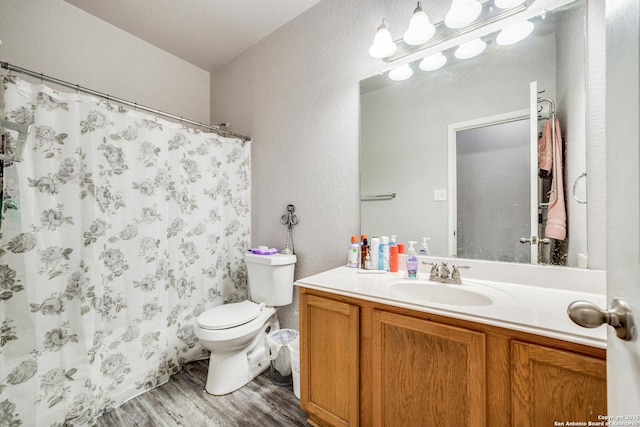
[{"x": 183, "y": 402}]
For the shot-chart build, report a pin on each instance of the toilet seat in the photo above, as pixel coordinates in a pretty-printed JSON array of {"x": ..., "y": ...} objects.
[{"x": 230, "y": 315}]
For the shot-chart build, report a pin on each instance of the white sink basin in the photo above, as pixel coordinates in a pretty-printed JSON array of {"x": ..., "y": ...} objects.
[{"x": 424, "y": 290}]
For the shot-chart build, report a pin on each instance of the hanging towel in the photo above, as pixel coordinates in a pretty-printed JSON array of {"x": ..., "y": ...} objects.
[
  {"x": 545, "y": 145},
  {"x": 556, "y": 227}
]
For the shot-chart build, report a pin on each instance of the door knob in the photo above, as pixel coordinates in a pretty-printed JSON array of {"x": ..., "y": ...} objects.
[
  {"x": 535, "y": 240},
  {"x": 589, "y": 315}
]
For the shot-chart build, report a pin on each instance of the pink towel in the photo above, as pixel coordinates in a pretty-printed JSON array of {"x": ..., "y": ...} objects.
[{"x": 557, "y": 215}]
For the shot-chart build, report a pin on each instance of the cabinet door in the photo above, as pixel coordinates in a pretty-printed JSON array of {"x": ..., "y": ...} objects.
[
  {"x": 551, "y": 387},
  {"x": 329, "y": 364},
  {"x": 425, "y": 373}
]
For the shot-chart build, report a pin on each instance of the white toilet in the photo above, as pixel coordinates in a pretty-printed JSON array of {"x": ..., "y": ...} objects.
[{"x": 236, "y": 333}]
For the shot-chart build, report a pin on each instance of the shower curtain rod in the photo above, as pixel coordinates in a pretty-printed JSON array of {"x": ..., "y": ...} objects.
[{"x": 78, "y": 88}]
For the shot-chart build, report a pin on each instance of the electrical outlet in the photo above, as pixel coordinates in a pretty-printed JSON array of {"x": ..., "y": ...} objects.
[{"x": 439, "y": 195}]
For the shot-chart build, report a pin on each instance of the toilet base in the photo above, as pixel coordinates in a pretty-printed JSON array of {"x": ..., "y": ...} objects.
[{"x": 230, "y": 371}]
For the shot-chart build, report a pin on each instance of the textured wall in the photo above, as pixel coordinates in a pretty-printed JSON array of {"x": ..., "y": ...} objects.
[
  {"x": 62, "y": 41},
  {"x": 296, "y": 93}
]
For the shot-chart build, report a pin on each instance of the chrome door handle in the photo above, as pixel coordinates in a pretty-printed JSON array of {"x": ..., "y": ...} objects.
[
  {"x": 589, "y": 315},
  {"x": 535, "y": 240}
]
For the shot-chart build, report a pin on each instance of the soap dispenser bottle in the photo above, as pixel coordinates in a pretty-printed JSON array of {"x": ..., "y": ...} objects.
[
  {"x": 412, "y": 262},
  {"x": 424, "y": 250}
]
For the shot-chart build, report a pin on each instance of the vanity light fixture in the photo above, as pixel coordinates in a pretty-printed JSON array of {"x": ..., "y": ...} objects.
[
  {"x": 506, "y": 4},
  {"x": 470, "y": 49},
  {"x": 514, "y": 33},
  {"x": 433, "y": 62},
  {"x": 462, "y": 12},
  {"x": 420, "y": 28},
  {"x": 383, "y": 44},
  {"x": 402, "y": 72}
]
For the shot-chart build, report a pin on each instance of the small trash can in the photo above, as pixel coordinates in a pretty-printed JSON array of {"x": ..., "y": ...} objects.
[
  {"x": 294, "y": 349},
  {"x": 278, "y": 351}
]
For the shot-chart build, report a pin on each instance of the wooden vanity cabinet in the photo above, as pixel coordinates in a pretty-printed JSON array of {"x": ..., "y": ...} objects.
[
  {"x": 425, "y": 373},
  {"x": 370, "y": 364},
  {"x": 329, "y": 360},
  {"x": 552, "y": 386}
]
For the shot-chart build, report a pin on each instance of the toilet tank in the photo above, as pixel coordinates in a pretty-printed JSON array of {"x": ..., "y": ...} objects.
[{"x": 271, "y": 278}]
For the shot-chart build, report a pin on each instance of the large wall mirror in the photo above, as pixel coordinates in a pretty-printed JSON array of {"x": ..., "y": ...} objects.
[{"x": 452, "y": 154}]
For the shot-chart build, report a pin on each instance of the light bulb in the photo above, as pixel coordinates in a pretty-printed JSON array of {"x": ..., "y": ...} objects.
[
  {"x": 383, "y": 44},
  {"x": 506, "y": 4},
  {"x": 403, "y": 72},
  {"x": 433, "y": 62},
  {"x": 462, "y": 12},
  {"x": 470, "y": 49},
  {"x": 420, "y": 28},
  {"x": 514, "y": 33}
]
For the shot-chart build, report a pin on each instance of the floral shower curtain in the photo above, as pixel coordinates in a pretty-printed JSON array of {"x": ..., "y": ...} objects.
[{"x": 118, "y": 229}]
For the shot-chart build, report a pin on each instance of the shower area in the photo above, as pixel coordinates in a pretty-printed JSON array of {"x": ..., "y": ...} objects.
[{"x": 118, "y": 228}]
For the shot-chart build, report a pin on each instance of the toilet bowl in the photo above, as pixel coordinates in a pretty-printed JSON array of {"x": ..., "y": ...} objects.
[
  {"x": 237, "y": 352},
  {"x": 236, "y": 333}
]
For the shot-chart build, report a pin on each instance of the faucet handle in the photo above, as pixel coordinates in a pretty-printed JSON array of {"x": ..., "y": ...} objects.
[
  {"x": 455, "y": 274},
  {"x": 434, "y": 269}
]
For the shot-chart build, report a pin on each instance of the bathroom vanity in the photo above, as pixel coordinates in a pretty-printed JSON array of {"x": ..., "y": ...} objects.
[{"x": 377, "y": 349}]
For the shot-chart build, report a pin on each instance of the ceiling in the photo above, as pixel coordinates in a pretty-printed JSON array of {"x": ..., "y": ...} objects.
[{"x": 205, "y": 33}]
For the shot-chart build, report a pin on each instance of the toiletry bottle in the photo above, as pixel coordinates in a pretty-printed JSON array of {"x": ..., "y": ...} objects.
[
  {"x": 393, "y": 240},
  {"x": 393, "y": 258},
  {"x": 374, "y": 250},
  {"x": 384, "y": 254},
  {"x": 367, "y": 261},
  {"x": 353, "y": 260},
  {"x": 412, "y": 262},
  {"x": 364, "y": 251},
  {"x": 424, "y": 250}
]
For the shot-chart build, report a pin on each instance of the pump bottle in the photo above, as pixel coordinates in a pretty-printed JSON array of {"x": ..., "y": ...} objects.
[
  {"x": 424, "y": 250},
  {"x": 412, "y": 262}
]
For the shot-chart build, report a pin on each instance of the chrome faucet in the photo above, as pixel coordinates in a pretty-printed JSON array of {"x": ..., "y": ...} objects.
[{"x": 441, "y": 273}]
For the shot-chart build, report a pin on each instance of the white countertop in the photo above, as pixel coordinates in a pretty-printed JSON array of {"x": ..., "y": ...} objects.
[{"x": 533, "y": 309}]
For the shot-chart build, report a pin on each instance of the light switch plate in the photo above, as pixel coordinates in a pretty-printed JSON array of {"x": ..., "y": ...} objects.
[{"x": 439, "y": 195}]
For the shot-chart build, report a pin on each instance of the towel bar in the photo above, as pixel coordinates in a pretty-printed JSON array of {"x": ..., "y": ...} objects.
[{"x": 374, "y": 197}]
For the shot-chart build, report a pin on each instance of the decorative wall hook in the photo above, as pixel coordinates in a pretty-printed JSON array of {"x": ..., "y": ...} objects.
[{"x": 289, "y": 219}]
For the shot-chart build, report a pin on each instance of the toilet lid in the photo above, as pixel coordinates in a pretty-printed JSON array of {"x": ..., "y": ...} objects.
[{"x": 229, "y": 315}]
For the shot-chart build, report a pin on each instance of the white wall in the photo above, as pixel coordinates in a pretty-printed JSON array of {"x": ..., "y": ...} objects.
[
  {"x": 296, "y": 93},
  {"x": 57, "y": 39}
]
